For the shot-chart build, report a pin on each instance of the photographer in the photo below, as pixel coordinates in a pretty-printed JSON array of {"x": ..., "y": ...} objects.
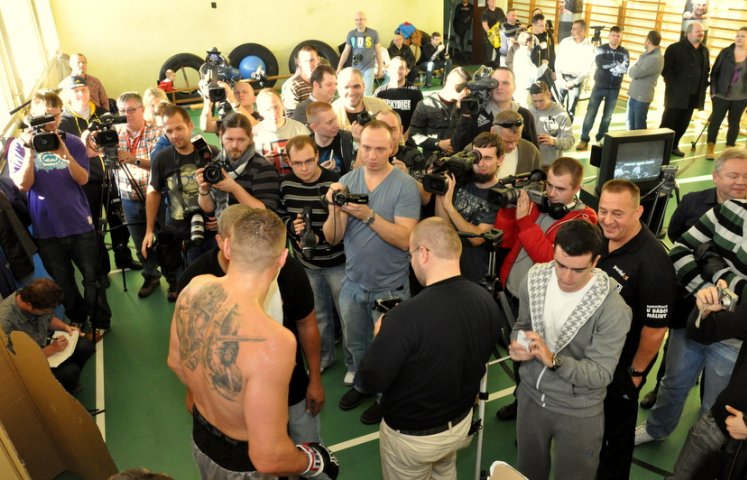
[
  {"x": 245, "y": 176},
  {"x": 470, "y": 125},
  {"x": 324, "y": 263},
  {"x": 173, "y": 174},
  {"x": 467, "y": 208},
  {"x": 376, "y": 238},
  {"x": 240, "y": 97},
  {"x": 60, "y": 216},
  {"x": 352, "y": 102},
  {"x": 432, "y": 346},
  {"x": 529, "y": 231},
  {"x": 274, "y": 130},
  {"x": 136, "y": 140},
  {"x": 714, "y": 446}
]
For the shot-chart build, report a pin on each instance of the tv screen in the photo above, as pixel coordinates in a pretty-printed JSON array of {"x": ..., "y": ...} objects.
[{"x": 636, "y": 155}]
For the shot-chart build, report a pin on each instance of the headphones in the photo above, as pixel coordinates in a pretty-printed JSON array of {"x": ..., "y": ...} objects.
[{"x": 556, "y": 210}]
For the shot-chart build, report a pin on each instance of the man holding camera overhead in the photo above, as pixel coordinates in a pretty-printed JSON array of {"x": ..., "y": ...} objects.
[
  {"x": 466, "y": 205},
  {"x": 63, "y": 228},
  {"x": 530, "y": 227},
  {"x": 376, "y": 235},
  {"x": 352, "y": 108}
]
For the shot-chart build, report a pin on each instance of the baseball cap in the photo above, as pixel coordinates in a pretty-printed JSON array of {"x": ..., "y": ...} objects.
[{"x": 72, "y": 82}]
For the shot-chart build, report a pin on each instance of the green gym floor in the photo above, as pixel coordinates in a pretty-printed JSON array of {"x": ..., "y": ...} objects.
[{"x": 145, "y": 423}]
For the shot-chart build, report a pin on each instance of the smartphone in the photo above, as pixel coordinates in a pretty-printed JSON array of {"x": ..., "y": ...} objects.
[{"x": 383, "y": 305}]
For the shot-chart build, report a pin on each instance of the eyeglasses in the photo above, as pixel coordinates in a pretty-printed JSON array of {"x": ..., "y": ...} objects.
[
  {"x": 514, "y": 124},
  {"x": 129, "y": 111},
  {"x": 303, "y": 163}
]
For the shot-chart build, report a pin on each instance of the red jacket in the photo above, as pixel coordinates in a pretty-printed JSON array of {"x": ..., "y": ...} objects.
[{"x": 527, "y": 234}]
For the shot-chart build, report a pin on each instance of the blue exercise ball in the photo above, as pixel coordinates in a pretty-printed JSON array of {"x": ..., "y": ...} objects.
[{"x": 250, "y": 64}]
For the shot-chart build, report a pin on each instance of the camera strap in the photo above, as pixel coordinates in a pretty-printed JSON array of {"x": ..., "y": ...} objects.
[{"x": 132, "y": 143}]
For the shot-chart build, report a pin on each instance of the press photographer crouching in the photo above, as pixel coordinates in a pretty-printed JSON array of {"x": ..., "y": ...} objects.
[
  {"x": 51, "y": 168},
  {"x": 465, "y": 202},
  {"x": 532, "y": 211}
]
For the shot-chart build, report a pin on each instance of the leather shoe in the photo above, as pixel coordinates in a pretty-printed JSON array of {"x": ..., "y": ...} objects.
[
  {"x": 507, "y": 412},
  {"x": 678, "y": 153},
  {"x": 172, "y": 294},
  {"x": 352, "y": 399},
  {"x": 149, "y": 285},
  {"x": 649, "y": 400},
  {"x": 372, "y": 415},
  {"x": 582, "y": 146}
]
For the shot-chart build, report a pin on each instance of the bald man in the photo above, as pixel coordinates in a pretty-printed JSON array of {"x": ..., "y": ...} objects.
[{"x": 364, "y": 44}]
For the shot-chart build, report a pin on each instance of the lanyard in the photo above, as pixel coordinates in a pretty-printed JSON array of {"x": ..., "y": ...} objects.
[{"x": 132, "y": 144}]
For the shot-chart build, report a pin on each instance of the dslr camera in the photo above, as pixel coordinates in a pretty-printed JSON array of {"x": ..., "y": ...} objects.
[
  {"x": 507, "y": 193},
  {"x": 459, "y": 164},
  {"x": 197, "y": 225},
  {"x": 364, "y": 117},
  {"x": 106, "y": 137},
  {"x": 42, "y": 140},
  {"x": 343, "y": 197},
  {"x": 214, "y": 167}
]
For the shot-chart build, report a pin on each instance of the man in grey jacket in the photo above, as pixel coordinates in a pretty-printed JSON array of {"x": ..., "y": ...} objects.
[
  {"x": 570, "y": 332},
  {"x": 643, "y": 78},
  {"x": 554, "y": 126}
]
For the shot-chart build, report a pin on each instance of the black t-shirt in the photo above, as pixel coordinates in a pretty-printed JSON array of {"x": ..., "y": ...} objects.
[
  {"x": 493, "y": 17},
  {"x": 647, "y": 283},
  {"x": 472, "y": 204},
  {"x": 402, "y": 100},
  {"x": 430, "y": 354},
  {"x": 298, "y": 303}
]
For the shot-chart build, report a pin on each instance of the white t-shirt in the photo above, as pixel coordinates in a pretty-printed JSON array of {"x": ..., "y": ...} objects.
[
  {"x": 510, "y": 163},
  {"x": 558, "y": 307}
]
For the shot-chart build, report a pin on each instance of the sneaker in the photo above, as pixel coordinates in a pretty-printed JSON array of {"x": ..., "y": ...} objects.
[
  {"x": 508, "y": 412},
  {"x": 649, "y": 400},
  {"x": 100, "y": 332},
  {"x": 372, "y": 415},
  {"x": 172, "y": 294},
  {"x": 352, "y": 399},
  {"x": 642, "y": 436},
  {"x": 348, "y": 380},
  {"x": 149, "y": 285},
  {"x": 582, "y": 146}
]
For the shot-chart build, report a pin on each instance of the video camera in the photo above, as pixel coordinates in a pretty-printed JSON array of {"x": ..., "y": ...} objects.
[
  {"x": 214, "y": 167},
  {"x": 216, "y": 69},
  {"x": 343, "y": 197},
  {"x": 459, "y": 164},
  {"x": 106, "y": 137},
  {"x": 597, "y": 38},
  {"x": 480, "y": 86},
  {"x": 42, "y": 140},
  {"x": 507, "y": 194}
]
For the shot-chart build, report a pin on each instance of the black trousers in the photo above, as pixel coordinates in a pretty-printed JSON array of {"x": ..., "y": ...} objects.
[
  {"x": 620, "y": 417},
  {"x": 678, "y": 119}
]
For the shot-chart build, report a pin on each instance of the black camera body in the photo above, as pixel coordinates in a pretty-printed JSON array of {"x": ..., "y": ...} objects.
[
  {"x": 364, "y": 117},
  {"x": 42, "y": 140},
  {"x": 216, "y": 68},
  {"x": 213, "y": 172},
  {"x": 507, "y": 194},
  {"x": 308, "y": 239},
  {"x": 343, "y": 197},
  {"x": 459, "y": 165},
  {"x": 106, "y": 137},
  {"x": 480, "y": 87}
]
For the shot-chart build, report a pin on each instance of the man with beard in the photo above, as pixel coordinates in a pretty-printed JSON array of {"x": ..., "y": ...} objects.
[
  {"x": 467, "y": 208},
  {"x": 251, "y": 180}
]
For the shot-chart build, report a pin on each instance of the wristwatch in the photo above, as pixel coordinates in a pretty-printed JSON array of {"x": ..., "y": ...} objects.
[
  {"x": 557, "y": 362},
  {"x": 138, "y": 162},
  {"x": 370, "y": 219},
  {"x": 633, "y": 372}
]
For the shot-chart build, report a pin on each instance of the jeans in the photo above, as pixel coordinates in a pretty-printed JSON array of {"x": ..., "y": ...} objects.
[
  {"x": 609, "y": 95},
  {"x": 685, "y": 360},
  {"x": 58, "y": 256},
  {"x": 303, "y": 427},
  {"x": 430, "y": 66},
  {"x": 700, "y": 455},
  {"x": 359, "y": 315},
  {"x": 134, "y": 212},
  {"x": 721, "y": 107},
  {"x": 572, "y": 93},
  {"x": 369, "y": 76},
  {"x": 326, "y": 283},
  {"x": 637, "y": 113}
]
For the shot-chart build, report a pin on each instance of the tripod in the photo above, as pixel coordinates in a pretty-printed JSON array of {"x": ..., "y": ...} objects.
[
  {"x": 492, "y": 284},
  {"x": 661, "y": 194}
]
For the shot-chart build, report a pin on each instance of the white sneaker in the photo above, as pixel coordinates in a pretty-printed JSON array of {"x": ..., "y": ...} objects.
[
  {"x": 349, "y": 377},
  {"x": 642, "y": 436}
]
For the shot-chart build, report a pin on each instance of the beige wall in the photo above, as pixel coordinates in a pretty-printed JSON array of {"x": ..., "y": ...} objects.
[{"x": 126, "y": 42}]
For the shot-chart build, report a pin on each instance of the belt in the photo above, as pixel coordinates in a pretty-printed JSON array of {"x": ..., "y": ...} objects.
[{"x": 438, "y": 429}]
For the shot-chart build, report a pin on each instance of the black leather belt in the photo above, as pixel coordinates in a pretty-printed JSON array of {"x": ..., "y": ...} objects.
[{"x": 438, "y": 429}]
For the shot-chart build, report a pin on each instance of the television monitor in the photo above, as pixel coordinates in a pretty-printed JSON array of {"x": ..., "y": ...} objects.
[{"x": 636, "y": 155}]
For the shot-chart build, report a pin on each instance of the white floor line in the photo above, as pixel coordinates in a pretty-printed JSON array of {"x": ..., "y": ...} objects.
[
  {"x": 354, "y": 442},
  {"x": 700, "y": 178},
  {"x": 100, "y": 402}
]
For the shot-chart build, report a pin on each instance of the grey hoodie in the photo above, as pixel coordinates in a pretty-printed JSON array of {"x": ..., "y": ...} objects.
[{"x": 555, "y": 122}]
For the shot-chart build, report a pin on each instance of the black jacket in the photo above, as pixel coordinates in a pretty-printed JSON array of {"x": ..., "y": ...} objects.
[
  {"x": 682, "y": 63},
  {"x": 722, "y": 71},
  {"x": 470, "y": 126}
]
